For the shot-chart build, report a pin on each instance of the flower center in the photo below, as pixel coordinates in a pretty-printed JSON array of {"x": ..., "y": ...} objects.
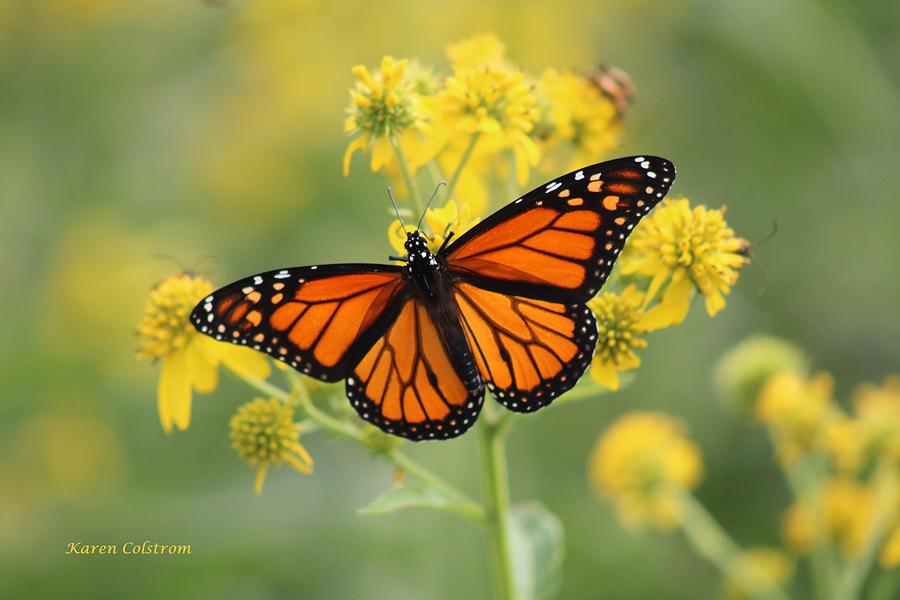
[
  {"x": 165, "y": 327},
  {"x": 263, "y": 431},
  {"x": 617, "y": 327}
]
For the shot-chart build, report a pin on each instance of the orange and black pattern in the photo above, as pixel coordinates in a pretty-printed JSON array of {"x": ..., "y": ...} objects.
[
  {"x": 415, "y": 381},
  {"x": 502, "y": 307},
  {"x": 318, "y": 319},
  {"x": 528, "y": 351},
  {"x": 559, "y": 242}
]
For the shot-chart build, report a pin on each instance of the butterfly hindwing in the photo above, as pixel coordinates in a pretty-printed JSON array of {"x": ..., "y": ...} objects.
[
  {"x": 320, "y": 319},
  {"x": 559, "y": 242},
  {"x": 418, "y": 380},
  {"x": 528, "y": 351}
]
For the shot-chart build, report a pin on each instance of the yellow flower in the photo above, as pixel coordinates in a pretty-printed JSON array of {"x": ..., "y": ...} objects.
[
  {"x": 385, "y": 107},
  {"x": 762, "y": 570},
  {"x": 264, "y": 433},
  {"x": 621, "y": 323},
  {"x": 872, "y": 433},
  {"x": 441, "y": 222},
  {"x": 494, "y": 102},
  {"x": 890, "y": 552},
  {"x": 877, "y": 409},
  {"x": 643, "y": 463},
  {"x": 797, "y": 413},
  {"x": 578, "y": 116},
  {"x": 845, "y": 508},
  {"x": 742, "y": 371},
  {"x": 846, "y": 443},
  {"x": 477, "y": 50},
  {"x": 688, "y": 248},
  {"x": 189, "y": 360}
]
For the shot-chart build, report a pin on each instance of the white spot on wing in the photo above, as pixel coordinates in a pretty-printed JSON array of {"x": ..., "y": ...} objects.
[
  {"x": 553, "y": 186},
  {"x": 579, "y": 175}
]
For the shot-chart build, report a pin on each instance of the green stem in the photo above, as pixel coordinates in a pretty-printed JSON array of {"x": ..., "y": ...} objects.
[
  {"x": 711, "y": 541},
  {"x": 465, "y": 505},
  {"x": 407, "y": 177},
  {"x": 585, "y": 390},
  {"x": 463, "y": 160},
  {"x": 803, "y": 479},
  {"x": 885, "y": 500},
  {"x": 496, "y": 501},
  {"x": 884, "y": 586}
]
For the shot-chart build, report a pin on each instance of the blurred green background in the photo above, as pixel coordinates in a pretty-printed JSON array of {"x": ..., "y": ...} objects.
[{"x": 137, "y": 138}]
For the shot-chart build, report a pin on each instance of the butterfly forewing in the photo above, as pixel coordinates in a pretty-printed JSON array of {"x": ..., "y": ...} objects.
[
  {"x": 559, "y": 242},
  {"x": 416, "y": 381},
  {"x": 320, "y": 320},
  {"x": 523, "y": 275}
]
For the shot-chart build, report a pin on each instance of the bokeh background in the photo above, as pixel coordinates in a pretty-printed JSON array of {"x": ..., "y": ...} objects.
[{"x": 137, "y": 138}]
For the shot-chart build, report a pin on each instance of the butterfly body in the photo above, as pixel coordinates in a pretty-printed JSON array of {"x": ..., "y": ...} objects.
[{"x": 502, "y": 308}]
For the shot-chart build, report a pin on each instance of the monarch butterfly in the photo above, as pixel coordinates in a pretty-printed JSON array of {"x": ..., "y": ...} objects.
[{"x": 502, "y": 307}]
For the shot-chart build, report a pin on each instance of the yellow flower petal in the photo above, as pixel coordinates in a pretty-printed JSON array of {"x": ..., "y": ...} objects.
[
  {"x": 202, "y": 370},
  {"x": 357, "y": 144},
  {"x": 675, "y": 303},
  {"x": 382, "y": 154},
  {"x": 245, "y": 361},
  {"x": 715, "y": 302},
  {"x": 174, "y": 397},
  {"x": 605, "y": 374},
  {"x": 260, "y": 478}
]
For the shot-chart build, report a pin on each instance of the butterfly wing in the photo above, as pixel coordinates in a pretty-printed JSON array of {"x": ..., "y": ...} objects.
[
  {"x": 559, "y": 242},
  {"x": 528, "y": 351},
  {"x": 523, "y": 275},
  {"x": 320, "y": 319},
  {"x": 418, "y": 380}
]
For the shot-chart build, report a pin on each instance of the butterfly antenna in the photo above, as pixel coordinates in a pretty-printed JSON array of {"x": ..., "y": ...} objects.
[
  {"x": 769, "y": 236},
  {"x": 171, "y": 258},
  {"x": 396, "y": 210},
  {"x": 765, "y": 271},
  {"x": 747, "y": 251},
  {"x": 440, "y": 184},
  {"x": 204, "y": 259}
]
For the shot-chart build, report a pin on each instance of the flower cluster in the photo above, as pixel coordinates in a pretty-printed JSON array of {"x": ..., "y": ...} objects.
[
  {"x": 263, "y": 433},
  {"x": 843, "y": 469},
  {"x": 485, "y": 125},
  {"x": 843, "y": 466},
  {"x": 682, "y": 249},
  {"x": 644, "y": 464},
  {"x": 189, "y": 361}
]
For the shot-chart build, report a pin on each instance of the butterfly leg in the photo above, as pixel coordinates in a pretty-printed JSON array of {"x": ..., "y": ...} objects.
[{"x": 446, "y": 240}]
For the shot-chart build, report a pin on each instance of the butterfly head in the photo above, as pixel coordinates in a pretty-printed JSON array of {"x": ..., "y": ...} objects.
[{"x": 417, "y": 253}]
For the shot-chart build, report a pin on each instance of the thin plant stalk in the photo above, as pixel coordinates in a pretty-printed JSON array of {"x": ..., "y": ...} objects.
[
  {"x": 407, "y": 177},
  {"x": 464, "y": 505},
  {"x": 463, "y": 161},
  {"x": 495, "y": 485},
  {"x": 885, "y": 500},
  {"x": 711, "y": 541}
]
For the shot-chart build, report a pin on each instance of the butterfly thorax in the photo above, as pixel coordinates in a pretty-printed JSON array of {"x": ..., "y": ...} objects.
[{"x": 423, "y": 267}]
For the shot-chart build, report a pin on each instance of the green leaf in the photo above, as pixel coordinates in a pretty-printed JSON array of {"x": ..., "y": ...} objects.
[
  {"x": 538, "y": 550},
  {"x": 410, "y": 493}
]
